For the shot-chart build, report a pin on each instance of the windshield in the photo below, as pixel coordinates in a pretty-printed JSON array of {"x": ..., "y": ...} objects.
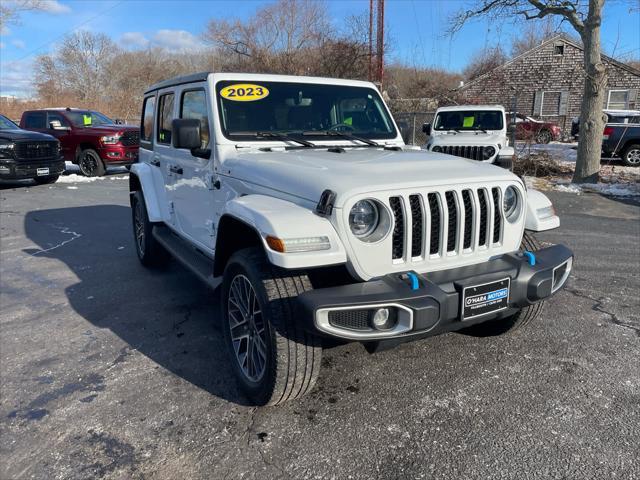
[
  {"x": 88, "y": 118},
  {"x": 469, "y": 120},
  {"x": 6, "y": 124},
  {"x": 248, "y": 111}
]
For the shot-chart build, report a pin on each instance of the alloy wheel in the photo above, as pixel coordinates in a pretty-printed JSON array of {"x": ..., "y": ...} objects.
[
  {"x": 248, "y": 328},
  {"x": 633, "y": 156},
  {"x": 88, "y": 164}
]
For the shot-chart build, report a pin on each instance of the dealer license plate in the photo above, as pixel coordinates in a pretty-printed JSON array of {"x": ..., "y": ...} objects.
[
  {"x": 42, "y": 171},
  {"x": 483, "y": 299}
]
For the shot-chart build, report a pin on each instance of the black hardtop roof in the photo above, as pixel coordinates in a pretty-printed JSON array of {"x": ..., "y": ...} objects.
[{"x": 172, "y": 82}]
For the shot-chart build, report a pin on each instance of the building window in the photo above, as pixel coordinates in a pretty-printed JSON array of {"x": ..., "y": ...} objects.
[
  {"x": 558, "y": 49},
  {"x": 618, "y": 100},
  {"x": 550, "y": 104}
]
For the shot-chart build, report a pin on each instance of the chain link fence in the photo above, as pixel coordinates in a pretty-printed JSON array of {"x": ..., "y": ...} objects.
[{"x": 410, "y": 123}]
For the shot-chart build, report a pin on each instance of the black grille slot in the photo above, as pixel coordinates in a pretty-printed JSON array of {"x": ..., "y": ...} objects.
[
  {"x": 434, "y": 211},
  {"x": 398, "y": 228},
  {"x": 483, "y": 218},
  {"x": 417, "y": 225},
  {"x": 452, "y": 235},
  {"x": 468, "y": 218},
  {"x": 497, "y": 218},
  {"x": 36, "y": 150},
  {"x": 130, "y": 138},
  {"x": 350, "y": 319}
]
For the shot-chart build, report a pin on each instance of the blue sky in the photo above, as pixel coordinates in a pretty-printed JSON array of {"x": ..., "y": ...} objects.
[{"x": 416, "y": 27}]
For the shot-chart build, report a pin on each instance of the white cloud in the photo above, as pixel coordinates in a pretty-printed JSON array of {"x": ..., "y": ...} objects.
[
  {"x": 53, "y": 6},
  {"x": 19, "y": 44},
  {"x": 134, "y": 39},
  {"x": 4, "y": 30},
  {"x": 16, "y": 78},
  {"x": 177, "y": 40}
]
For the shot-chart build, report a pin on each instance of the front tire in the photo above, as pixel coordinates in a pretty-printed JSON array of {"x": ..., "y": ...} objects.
[
  {"x": 46, "y": 180},
  {"x": 631, "y": 156},
  {"x": 519, "y": 319},
  {"x": 90, "y": 163},
  {"x": 150, "y": 252},
  {"x": 544, "y": 136},
  {"x": 273, "y": 357}
]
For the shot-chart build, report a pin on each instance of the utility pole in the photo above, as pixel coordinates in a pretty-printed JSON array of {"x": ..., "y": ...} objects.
[{"x": 376, "y": 63}]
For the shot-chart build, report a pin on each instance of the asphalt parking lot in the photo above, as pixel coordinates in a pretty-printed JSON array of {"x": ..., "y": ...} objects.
[{"x": 111, "y": 371}]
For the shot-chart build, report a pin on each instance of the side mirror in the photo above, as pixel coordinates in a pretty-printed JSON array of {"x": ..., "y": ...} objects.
[
  {"x": 426, "y": 128},
  {"x": 511, "y": 128},
  {"x": 119, "y": 121},
  {"x": 186, "y": 133},
  {"x": 404, "y": 131}
]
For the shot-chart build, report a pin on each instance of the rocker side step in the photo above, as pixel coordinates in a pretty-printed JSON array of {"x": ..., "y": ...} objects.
[{"x": 197, "y": 262}]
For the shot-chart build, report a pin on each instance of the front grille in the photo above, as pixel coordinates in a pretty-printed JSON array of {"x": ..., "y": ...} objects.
[
  {"x": 130, "y": 138},
  {"x": 452, "y": 224},
  {"x": 472, "y": 152},
  {"x": 398, "y": 228},
  {"x": 462, "y": 213},
  {"x": 416, "y": 225},
  {"x": 497, "y": 218},
  {"x": 36, "y": 150},
  {"x": 350, "y": 319}
]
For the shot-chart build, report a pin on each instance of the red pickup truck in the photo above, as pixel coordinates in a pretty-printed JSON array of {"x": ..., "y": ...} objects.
[{"x": 87, "y": 138}]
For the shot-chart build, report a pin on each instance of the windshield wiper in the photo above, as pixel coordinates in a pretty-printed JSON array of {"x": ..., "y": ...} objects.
[
  {"x": 277, "y": 136},
  {"x": 350, "y": 136},
  {"x": 284, "y": 136}
]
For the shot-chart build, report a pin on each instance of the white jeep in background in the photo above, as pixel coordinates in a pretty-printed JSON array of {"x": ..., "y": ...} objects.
[
  {"x": 476, "y": 132},
  {"x": 298, "y": 197}
]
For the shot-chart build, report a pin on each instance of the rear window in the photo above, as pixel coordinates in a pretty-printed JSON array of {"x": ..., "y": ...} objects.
[
  {"x": 165, "y": 117},
  {"x": 146, "y": 132},
  {"x": 35, "y": 120}
]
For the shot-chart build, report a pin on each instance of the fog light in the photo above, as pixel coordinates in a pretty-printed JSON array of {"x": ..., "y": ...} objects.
[
  {"x": 383, "y": 318},
  {"x": 4, "y": 169},
  {"x": 113, "y": 154}
]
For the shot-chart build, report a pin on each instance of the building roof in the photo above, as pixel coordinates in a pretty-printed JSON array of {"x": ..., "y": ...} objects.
[{"x": 561, "y": 36}]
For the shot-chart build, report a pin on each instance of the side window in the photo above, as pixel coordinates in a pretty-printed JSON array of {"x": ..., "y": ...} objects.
[
  {"x": 194, "y": 105},
  {"x": 35, "y": 120},
  {"x": 146, "y": 132},
  {"x": 56, "y": 117},
  {"x": 165, "y": 116}
]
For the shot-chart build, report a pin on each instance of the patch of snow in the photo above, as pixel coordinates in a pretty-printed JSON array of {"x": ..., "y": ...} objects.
[
  {"x": 559, "y": 151},
  {"x": 72, "y": 188},
  {"x": 614, "y": 189},
  {"x": 74, "y": 178},
  {"x": 568, "y": 188}
]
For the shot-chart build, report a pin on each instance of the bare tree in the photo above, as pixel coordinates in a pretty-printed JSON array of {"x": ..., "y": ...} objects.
[
  {"x": 533, "y": 34},
  {"x": 585, "y": 17},
  {"x": 10, "y": 10},
  {"x": 484, "y": 61}
]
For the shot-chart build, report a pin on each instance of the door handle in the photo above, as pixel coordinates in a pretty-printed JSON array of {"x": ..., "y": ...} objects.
[
  {"x": 175, "y": 169},
  {"x": 155, "y": 162}
]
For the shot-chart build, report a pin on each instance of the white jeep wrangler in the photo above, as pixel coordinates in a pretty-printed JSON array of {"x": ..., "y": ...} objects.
[
  {"x": 476, "y": 132},
  {"x": 298, "y": 197}
]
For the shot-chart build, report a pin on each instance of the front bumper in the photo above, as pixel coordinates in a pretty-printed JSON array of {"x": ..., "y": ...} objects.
[
  {"x": 118, "y": 154},
  {"x": 11, "y": 169},
  {"x": 435, "y": 306}
]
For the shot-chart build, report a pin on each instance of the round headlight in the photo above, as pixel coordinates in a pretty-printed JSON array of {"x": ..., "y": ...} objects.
[
  {"x": 436, "y": 149},
  {"x": 510, "y": 204},
  {"x": 488, "y": 152},
  {"x": 363, "y": 218}
]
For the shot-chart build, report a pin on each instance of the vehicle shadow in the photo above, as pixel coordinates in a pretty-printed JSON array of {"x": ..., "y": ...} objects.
[{"x": 167, "y": 315}]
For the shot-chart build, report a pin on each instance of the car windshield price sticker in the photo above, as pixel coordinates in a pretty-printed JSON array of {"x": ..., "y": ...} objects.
[
  {"x": 244, "y": 92},
  {"x": 483, "y": 299}
]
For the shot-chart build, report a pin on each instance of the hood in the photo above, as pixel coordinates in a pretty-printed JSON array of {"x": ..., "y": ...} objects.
[
  {"x": 492, "y": 137},
  {"x": 108, "y": 129},
  {"x": 307, "y": 173},
  {"x": 17, "y": 134}
]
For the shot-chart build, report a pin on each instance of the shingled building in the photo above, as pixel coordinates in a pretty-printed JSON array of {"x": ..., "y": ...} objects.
[{"x": 548, "y": 80}]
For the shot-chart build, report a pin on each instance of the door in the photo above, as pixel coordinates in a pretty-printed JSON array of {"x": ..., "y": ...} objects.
[
  {"x": 63, "y": 134},
  {"x": 194, "y": 187},
  {"x": 163, "y": 152}
]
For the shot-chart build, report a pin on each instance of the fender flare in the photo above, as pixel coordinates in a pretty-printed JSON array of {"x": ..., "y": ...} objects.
[
  {"x": 144, "y": 175},
  {"x": 540, "y": 214},
  {"x": 279, "y": 218}
]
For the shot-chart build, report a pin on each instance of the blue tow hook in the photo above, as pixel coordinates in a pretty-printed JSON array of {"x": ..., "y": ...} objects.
[
  {"x": 531, "y": 257},
  {"x": 415, "y": 284}
]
